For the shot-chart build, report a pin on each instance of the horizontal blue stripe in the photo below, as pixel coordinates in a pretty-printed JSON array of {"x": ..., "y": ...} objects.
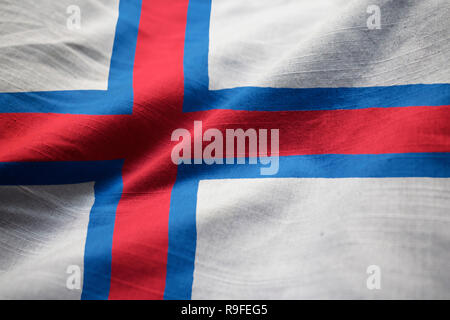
[
  {"x": 89, "y": 102},
  {"x": 182, "y": 217},
  {"x": 284, "y": 99},
  {"x": 60, "y": 172},
  {"x": 435, "y": 165},
  {"x": 118, "y": 99},
  {"x": 108, "y": 190}
]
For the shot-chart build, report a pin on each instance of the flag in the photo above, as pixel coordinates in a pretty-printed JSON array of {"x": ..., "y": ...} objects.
[{"x": 224, "y": 149}]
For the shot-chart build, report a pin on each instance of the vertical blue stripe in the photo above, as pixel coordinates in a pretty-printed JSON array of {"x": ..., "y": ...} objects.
[
  {"x": 99, "y": 239},
  {"x": 196, "y": 47},
  {"x": 182, "y": 239},
  {"x": 124, "y": 49}
]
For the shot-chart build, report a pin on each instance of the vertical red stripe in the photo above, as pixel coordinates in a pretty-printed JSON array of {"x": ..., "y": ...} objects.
[{"x": 139, "y": 254}]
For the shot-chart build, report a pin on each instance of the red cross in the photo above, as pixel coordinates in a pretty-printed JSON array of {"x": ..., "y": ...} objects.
[{"x": 143, "y": 140}]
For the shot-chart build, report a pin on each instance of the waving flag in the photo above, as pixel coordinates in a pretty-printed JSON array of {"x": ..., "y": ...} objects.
[{"x": 224, "y": 149}]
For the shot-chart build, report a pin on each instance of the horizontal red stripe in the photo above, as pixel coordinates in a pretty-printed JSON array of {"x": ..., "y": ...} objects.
[
  {"x": 363, "y": 131},
  {"x": 42, "y": 137},
  {"x": 58, "y": 137}
]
